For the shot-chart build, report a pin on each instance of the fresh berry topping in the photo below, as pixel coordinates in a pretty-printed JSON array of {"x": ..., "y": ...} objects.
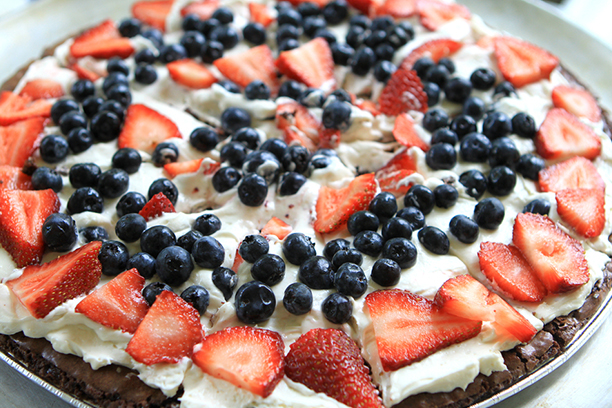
[
  {"x": 85, "y": 199},
  {"x": 174, "y": 265},
  {"x": 197, "y": 296},
  {"x": 102, "y": 41},
  {"x": 59, "y": 232},
  {"x": 276, "y": 227},
  {"x": 260, "y": 13},
  {"x": 152, "y": 13},
  {"x": 225, "y": 280},
  {"x": 144, "y": 128},
  {"x": 523, "y": 63},
  {"x": 234, "y": 119},
  {"x": 577, "y": 172},
  {"x": 186, "y": 167},
  {"x": 523, "y": 125},
  {"x": 311, "y": 63},
  {"x": 434, "y": 14},
  {"x": 42, "y": 89},
  {"x": 406, "y": 134},
  {"x": 403, "y": 92},
  {"x": 434, "y": 239},
  {"x": 255, "y": 302},
  {"x": 152, "y": 290},
  {"x": 369, "y": 243},
  {"x": 350, "y": 280},
  {"x": 244, "y": 68},
  {"x": 44, "y": 178},
  {"x": 434, "y": 49},
  {"x": 475, "y": 148},
  {"x": 143, "y": 263},
  {"x": 252, "y": 190},
  {"x": 14, "y": 108},
  {"x": 298, "y": 299},
  {"x": 583, "y": 210},
  {"x": 316, "y": 272},
  {"x": 13, "y": 178},
  {"x": 346, "y": 255},
  {"x": 421, "y": 197},
  {"x": 156, "y": 206},
  {"x": 401, "y": 250},
  {"x": 268, "y": 269},
  {"x": 362, "y": 221},
  {"x": 489, "y": 213},
  {"x": 501, "y": 181},
  {"x": 475, "y": 183},
  {"x": 578, "y": 102},
  {"x": 208, "y": 252},
  {"x": 191, "y": 74},
  {"x": 464, "y": 229}
]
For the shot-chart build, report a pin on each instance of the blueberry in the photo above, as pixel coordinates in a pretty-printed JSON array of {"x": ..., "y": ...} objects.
[
  {"x": 435, "y": 240},
  {"x": 290, "y": 183},
  {"x": 59, "y": 232},
  {"x": 114, "y": 257},
  {"x": 173, "y": 265},
  {"x": 156, "y": 238},
  {"x": 225, "y": 280},
  {"x": 337, "y": 115},
  {"x": 446, "y": 195},
  {"x": 363, "y": 60},
  {"x": 225, "y": 178},
  {"x": 208, "y": 25},
  {"x": 355, "y": 36},
  {"x": 248, "y": 136},
  {"x": 413, "y": 215},
  {"x": 396, "y": 227},
  {"x": 386, "y": 272},
  {"x": 504, "y": 89},
  {"x": 116, "y": 64},
  {"x": 463, "y": 125},
  {"x": 289, "y": 16},
  {"x": 90, "y": 234},
  {"x": 164, "y": 153},
  {"x": 369, "y": 243},
  {"x": 154, "y": 35},
  {"x": 348, "y": 255},
  {"x": 360, "y": 20},
  {"x": 422, "y": 65},
  {"x": 254, "y": 33},
  {"x": 335, "y": 245},
  {"x": 337, "y": 308},
  {"x": 114, "y": 78},
  {"x": 398, "y": 37},
  {"x": 252, "y": 190},
  {"x": 383, "y": 205},
  {"x": 257, "y": 90},
  {"x": 350, "y": 280},
  {"x": 187, "y": 240},
  {"x": 207, "y": 224},
  {"x": 296, "y": 159},
  {"x": 208, "y": 252},
  {"x": 441, "y": 156},
  {"x": 105, "y": 126},
  {"x": 457, "y": 90},
  {"x": 362, "y": 221},
  {"x": 420, "y": 197},
  {"x": 163, "y": 185},
  {"x": 523, "y": 125},
  {"x": 291, "y": 89},
  {"x": 144, "y": 263},
  {"x": 464, "y": 229},
  {"x": 503, "y": 153},
  {"x": 529, "y": 166},
  {"x": 171, "y": 53},
  {"x": 91, "y": 105},
  {"x": 286, "y": 32},
  {"x": 115, "y": 107},
  {"x": 85, "y": 199},
  {"x": 113, "y": 183},
  {"x": 435, "y": 119},
  {"x": 127, "y": 159},
  {"x": 312, "y": 98},
  {"x": 489, "y": 213},
  {"x": 483, "y": 79},
  {"x": 298, "y": 297},
  {"x": 229, "y": 86},
  {"x": 501, "y": 181},
  {"x": 130, "y": 203},
  {"x": 224, "y": 15},
  {"x": 269, "y": 269},
  {"x": 297, "y": 248},
  {"x": 312, "y": 24},
  {"x": 61, "y": 107},
  {"x": 130, "y": 27},
  {"x": 537, "y": 206},
  {"x": 79, "y": 140},
  {"x": 191, "y": 22},
  {"x": 234, "y": 153},
  {"x": 438, "y": 75},
  {"x": 342, "y": 53},
  {"x": 145, "y": 74},
  {"x": 444, "y": 135},
  {"x": 44, "y": 178},
  {"x": 383, "y": 70},
  {"x": 400, "y": 250},
  {"x": 72, "y": 120},
  {"x": 448, "y": 64},
  {"x": 475, "y": 148},
  {"x": 375, "y": 38},
  {"x": 474, "y": 107},
  {"x": 433, "y": 93},
  {"x": 253, "y": 247},
  {"x": 496, "y": 125},
  {"x": 192, "y": 41},
  {"x": 197, "y": 296},
  {"x": 81, "y": 89},
  {"x": 335, "y": 11},
  {"x": 120, "y": 93},
  {"x": 255, "y": 302},
  {"x": 130, "y": 227},
  {"x": 212, "y": 51},
  {"x": 153, "y": 289},
  {"x": 308, "y": 9},
  {"x": 233, "y": 119},
  {"x": 145, "y": 56}
]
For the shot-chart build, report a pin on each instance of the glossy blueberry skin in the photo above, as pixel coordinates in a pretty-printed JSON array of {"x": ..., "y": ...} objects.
[
  {"x": 396, "y": 227},
  {"x": 72, "y": 120},
  {"x": 435, "y": 240},
  {"x": 335, "y": 245},
  {"x": 483, "y": 79},
  {"x": 420, "y": 197},
  {"x": 496, "y": 125},
  {"x": 252, "y": 190},
  {"x": 383, "y": 205},
  {"x": 130, "y": 227},
  {"x": 79, "y": 140},
  {"x": 153, "y": 289},
  {"x": 350, "y": 255},
  {"x": 91, "y": 105},
  {"x": 127, "y": 159},
  {"x": 433, "y": 93},
  {"x": 145, "y": 56},
  {"x": 475, "y": 183},
  {"x": 335, "y": 11},
  {"x": 362, "y": 221},
  {"x": 229, "y": 86},
  {"x": 192, "y": 41},
  {"x": 257, "y": 90},
  {"x": 145, "y": 74},
  {"x": 198, "y": 297},
  {"x": 171, "y": 53},
  {"x": 90, "y": 234},
  {"x": 63, "y": 106},
  {"x": 369, "y": 243},
  {"x": 288, "y": 45},
  {"x": 144, "y": 263},
  {"x": 44, "y": 178},
  {"x": 291, "y": 89},
  {"x": 435, "y": 119},
  {"x": 264, "y": 164},
  {"x": 503, "y": 153},
  {"x": 474, "y": 107},
  {"x": 503, "y": 89},
  {"x": 208, "y": 253},
  {"x": 154, "y": 35},
  {"x": 81, "y": 89},
  {"x": 226, "y": 35},
  {"x": 207, "y": 224},
  {"x": 400, "y": 250},
  {"x": 475, "y": 148},
  {"x": 296, "y": 159},
  {"x": 105, "y": 126},
  {"x": 269, "y": 269},
  {"x": 363, "y": 60},
  {"x": 248, "y": 136},
  {"x": 441, "y": 156},
  {"x": 463, "y": 125},
  {"x": 538, "y": 206},
  {"x": 489, "y": 213},
  {"x": 337, "y": 308},
  {"x": 174, "y": 265},
  {"x": 290, "y": 183},
  {"x": 422, "y": 65},
  {"x": 342, "y": 53},
  {"x": 114, "y": 257},
  {"x": 444, "y": 135},
  {"x": 523, "y": 125},
  {"x": 254, "y": 33},
  {"x": 438, "y": 75},
  {"x": 114, "y": 78},
  {"x": 337, "y": 115},
  {"x": 317, "y": 273},
  {"x": 113, "y": 183},
  {"x": 225, "y": 280},
  {"x": 464, "y": 229},
  {"x": 253, "y": 247},
  {"x": 130, "y": 203},
  {"x": 130, "y": 27},
  {"x": 446, "y": 195},
  {"x": 164, "y": 153},
  {"x": 457, "y": 90},
  {"x": 59, "y": 232},
  {"x": 255, "y": 302},
  {"x": 156, "y": 238},
  {"x": 297, "y": 299},
  {"x": 212, "y": 51},
  {"x": 187, "y": 240},
  {"x": 226, "y": 178},
  {"x": 234, "y": 153},
  {"x": 350, "y": 280},
  {"x": 501, "y": 181},
  {"x": 85, "y": 199},
  {"x": 386, "y": 272},
  {"x": 233, "y": 119},
  {"x": 165, "y": 186},
  {"x": 120, "y": 93},
  {"x": 413, "y": 215},
  {"x": 312, "y": 24}
]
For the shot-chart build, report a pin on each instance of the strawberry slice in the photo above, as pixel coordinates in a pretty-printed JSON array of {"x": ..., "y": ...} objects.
[
  {"x": 298, "y": 125},
  {"x": 247, "y": 357},
  {"x": 366, "y": 6},
  {"x": 409, "y": 327},
  {"x": 156, "y": 206},
  {"x": 153, "y": 13},
  {"x": 576, "y": 172},
  {"x": 523, "y": 63},
  {"x": 505, "y": 266},
  {"x": 203, "y": 9},
  {"x": 405, "y": 133},
  {"x": 369, "y": 106},
  {"x": 22, "y": 214},
  {"x": 260, "y": 13},
  {"x": 329, "y": 361},
  {"x": 276, "y": 227},
  {"x": 562, "y": 135},
  {"x": 20, "y": 140},
  {"x": 434, "y": 14},
  {"x": 191, "y": 74},
  {"x": 465, "y": 297},
  {"x": 145, "y": 128},
  {"x": 42, "y": 89},
  {"x": 576, "y": 101},
  {"x": 103, "y": 41},
  {"x": 244, "y": 68},
  {"x": 84, "y": 73},
  {"x": 42, "y": 288},
  {"x": 237, "y": 260},
  {"x": 583, "y": 210},
  {"x": 396, "y": 8},
  {"x": 391, "y": 177},
  {"x": 556, "y": 258},
  {"x": 12, "y": 178},
  {"x": 311, "y": 63},
  {"x": 329, "y": 138},
  {"x": 176, "y": 168},
  {"x": 319, "y": 3},
  {"x": 335, "y": 206},
  {"x": 119, "y": 304},
  {"x": 434, "y": 49},
  {"x": 14, "y": 108},
  {"x": 403, "y": 92}
]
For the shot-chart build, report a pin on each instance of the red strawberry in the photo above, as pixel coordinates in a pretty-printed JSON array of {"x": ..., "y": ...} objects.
[
  {"x": 329, "y": 361},
  {"x": 168, "y": 332},
  {"x": 405, "y": 133},
  {"x": 298, "y": 125},
  {"x": 505, "y": 266},
  {"x": 176, "y": 168},
  {"x": 434, "y": 14},
  {"x": 409, "y": 327},
  {"x": 403, "y": 92},
  {"x": 41, "y": 288},
  {"x": 397, "y": 8},
  {"x": 276, "y": 227},
  {"x": 391, "y": 177},
  {"x": 145, "y": 128},
  {"x": 576, "y": 101},
  {"x": 203, "y": 9},
  {"x": 191, "y": 74},
  {"x": 369, "y": 106},
  {"x": 15, "y": 108},
  {"x": 329, "y": 138},
  {"x": 523, "y": 63},
  {"x": 19, "y": 140},
  {"x": 153, "y": 13},
  {"x": 13, "y": 178},
  {"x": 562, "y": 135},
  {"x": 102, "y": 41},
  {"x": 260, "y": 13},
  {"x": 42, "y": 89},
  {"x": 465, "y": 297},
  {"x": 237, "y": 260},
  {"x": 583, "y": 210},
  {"x": 576, "y": 172},
  {"x": 366, "y": 6},
  {"x": 22, "y": 214},
  {"x": 434, "y": 49},
  {"x": 84, "y": 73},
  {"x": 319, "y": 3},
  {"x": 311, "y": 64},
  {"x": 248, "y": 357},
  {"x": 156, "y": 206},
  {"x": 335, "y": 206},
  {"x": 119, "y": 304},
  {"x": 209, "y": 167},
  {"x": 556, "y": 258},
  {"x": 244, "y": 68}
]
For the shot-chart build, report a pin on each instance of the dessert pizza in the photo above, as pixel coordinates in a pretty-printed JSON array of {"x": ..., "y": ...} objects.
[{"x": 307, "y": 204}]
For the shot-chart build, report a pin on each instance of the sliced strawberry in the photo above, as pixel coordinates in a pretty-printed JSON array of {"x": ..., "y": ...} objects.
[
  {"x": 293, "y": 136},
  {"x": 191, "y": 74},
  {"x": 276, "y": 227},
  {"x": 260, "y": 13},
  {"x": 434, "y": 49},
  {"x": 369, "y": 106},
  {"x": 237, "y": 260},
  {"x": 84, "y": 73},
  {"x": 335, "y": 206},
  {"x": 366, "y": 6},
  {"x": 403, "y": 92},
  {"x": 405, "y": 133},
  {"x": 391, "y": 177},
  {"x": 19, "y": 140},
  {"x": 329, "y": 361},
  {"x": 15, "y": 108},
  {"x": 102, "y": 41},
  {"x": 583, "y": 210},
  {"x": 487, "y": 42},
  {"x": 409, "y": 327},
  {"x": 244, "y": 68},
  {"x": 248, "y": 357},
  {"x": 556, "y": 258},
  {"x": 203, "y": 9},
  {"x": 42, "y": 89},
  {"x": 13, "y": 178},
  {"x": 156, "y": 206},
  {"x": 576, "y": 101},
  {"x": 562, "y": 135},
  {"x": 153, "y": 13},
  {"x": 319, "y": 3},
  {"x": 329, "y": 138},
  {"x": 397, "y": 8},
  {"x": 298, "y": 125},
  {"x": 22, "y": 214},
  {"x": 465, "y": 297},
  {"x": 145, "y": 128},
  {"x": 168, "y": 332},
  {"x": 176, "y": 168},
  {"x": 42, "y": 288},
  {"x": 576, "y": 172},
  {"x": 434, "y": 14},
  {"x": 209, "y": 167},
  {"x": 312, "y": 64},
  {"x": 523, "y": 63},
  {"x": 119, "y": 304},
  {"x": 505, "y": 266}
]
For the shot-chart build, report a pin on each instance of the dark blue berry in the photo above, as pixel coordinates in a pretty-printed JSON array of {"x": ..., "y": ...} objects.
[
  {"x": 296, "y": 159},
  {"x": 233, "y": 119},
  {"x": 496, "y": 125},
  {"x": 211, "y": 51},
  {"x": 360, "y": 20},
  {"x": 475, "y": 148},
  {"x": 145, "y": 74},
  {"x": 383, "y": 70},
  {"x": 229, "y": 86},
  {"x": 252, "y": 190},
  {"x": 81, "y": 89},
  {"x": 113, "y": 183},
  {"x": 156, "y": 238},
  {"x": 529, "y": 166},
  {"x": 114, "y": 78},
  {"x": 441, "y": 156},
  {"x": 288, "y": 44},
  {"x": 171, "y": 53},
  {"x": 298, "y": 297},
  {"x": 208, "y": 252},
  {"x": 384, "y": 52},
  {"x": 207, "y": 224},
  {"x": 422, "y": 65},
  {"x": 312, "y": 98},
  {"x": 457, "y": 90},
  {"x": 144, "y": 264},
  {"x": 337, "y": 308},
  {"x": 289, "y": 16},
  {"x": 154, "y": 35},
  {"x": 130, "y": 27},
  {"x": 198, "y": 297},
  {"x": 204, "y": 138},
  {"x": 483, "y": 79},
  {"x": 438, "y": 75},
  {"x": 435, "y": 119},
  {"x": 435, "y": 240},
  {"x": 90, "y": 234},
  {"x": 400, "y": 250},
  {"x": 420, "y": 197},
  {"x": 72, "y": 120},
  {"x": 91, "y": 105},
  {"x": 44, "y": 178},
  {"x": 503, "y": 153},
  {"x": 382, "y": 23},
  {"x": 335, "y": 11},
  {"x": 342, "y": 53},
  {"x": 433, "y": 93},
  {"x": 115, "y": 107},
  {"x": 59, "y": 232},
  {"x": 489, "y": 213},
  {"x": 224, "y": 15},
  {"x": 192, "y": 41},
  {"x": 413, "y": 215},
  {"x": 79, "y": 140},
  {"x": 117, "y": 65},
  {"x": 269, "y": 269},
  {"x": 234, "y": 153},
  {"x": 335, "y": 245},
  {"x": 538, "y": 206},
  {"x": 446, "y": 195},
  {"x": 84, "y": 175},
  {"x": 474, "y": 182},
  {"x": 61, "y": 107},
  {"x": 187, "y": 240},
  {"x": 287, "y": 31},
  {"x": 463, "y": 125},
  {"x": 362, "y": 221},
  {"x": 145, "y": 56},
  {"x": 312, "y": 24},
  {"x": 363, "y": 60},
  {"x": 308, "y": 9},
  {"x": 291, "y": 89},
  {"x": 355, "y": 36},
  {"x": 225, "y": 178},
  {"x": 383, "y": 205},
  {"x": 225, "y": 280},
  {"x": 130, "y": 203},
  {"x": 298, "y": 247},
  {"x": 386, "y": 272},
  {"x": 375, "y": 38},
  {"x": 105, "y": 126},
  {"x": 523, "y": 125},
  {"x": 120, "y": 93},
  {"x": 369, "y": 243},
  {"x": 254, "y": 33},
  {"x": 164, "y": 153},
  {"x": 501, "y": 181},
  {"x": 191, "y": 22},
  {"x": 327, "y": 35},
  {"x": 85, "y": 199},
  {"x": 464, "y": 229},
  {"x": 257, "y": 90},
  {"x": 396, "y": 227},
  {"x": 153, "y": 289},
  {"x": 350, "y": 280},
  {"x": 474, "y": 107},
  {"x": 253, "y": 247},
  {"x": 114, "y": 257},
  {"x": 348, "y": 255},
  {"x": 127, "y": 159},
  {"x": 255, "y": 302},
  {"x": 130, "y": 227},
  {"x": 503, "y": 90},
  {"x": 262, "y": 163},
  {"x": 444, "y": 135},
  {"x": 208, "y": 25},
  {"x": 173, "y": 265},
  {"x": 163, "y": 185},
  {"x": 337, "y": 115},
  {"x": 398, "y": 37}
]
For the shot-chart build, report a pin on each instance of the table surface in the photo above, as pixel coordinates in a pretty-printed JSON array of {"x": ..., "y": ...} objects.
[{"x": 581, "y": 382}]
